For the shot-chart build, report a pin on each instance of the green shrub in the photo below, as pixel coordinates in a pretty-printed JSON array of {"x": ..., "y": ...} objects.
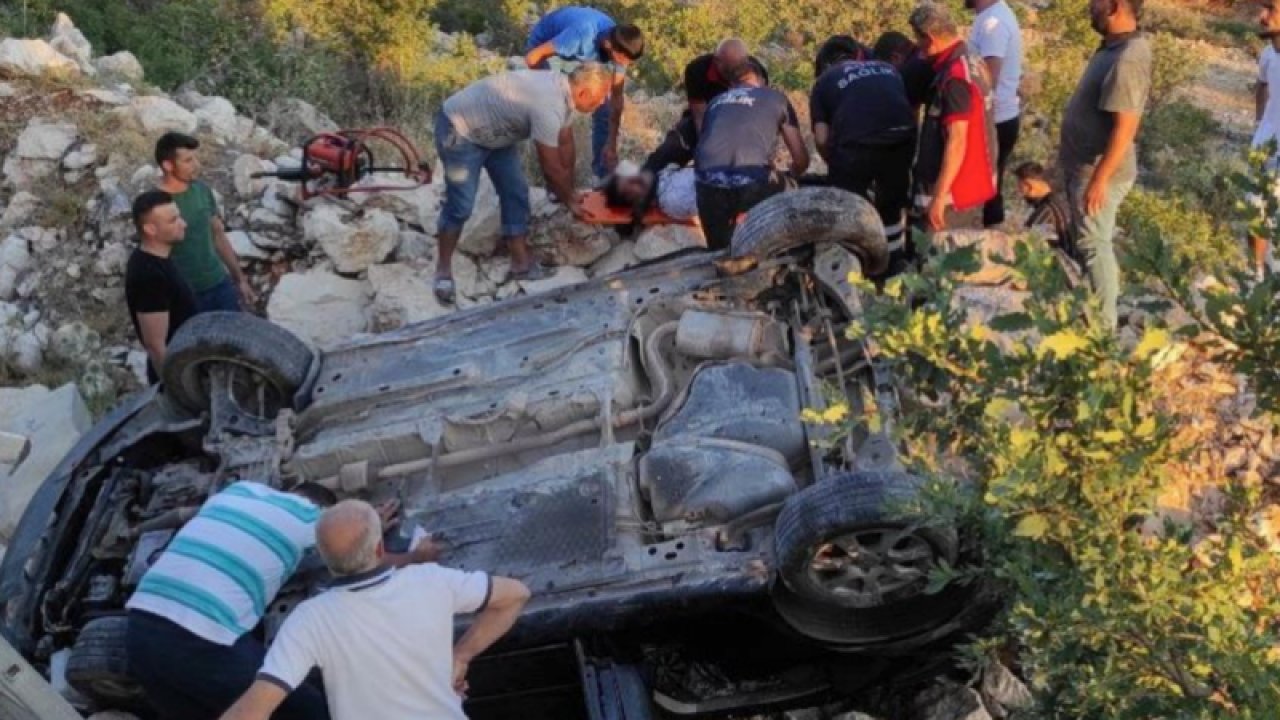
[
  {"x": 1068, "y": 443},
  {"x": 1190, "y": 234}
]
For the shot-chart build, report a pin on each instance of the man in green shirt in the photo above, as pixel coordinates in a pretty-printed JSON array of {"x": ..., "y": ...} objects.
[{"x": 205, "y": 256}]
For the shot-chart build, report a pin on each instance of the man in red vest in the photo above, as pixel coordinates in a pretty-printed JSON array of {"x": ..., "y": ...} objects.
[{"x": 955, "y": 169}]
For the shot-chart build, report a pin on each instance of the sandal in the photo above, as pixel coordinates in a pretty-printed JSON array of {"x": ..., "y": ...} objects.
[{"x": 445, "y": 290}]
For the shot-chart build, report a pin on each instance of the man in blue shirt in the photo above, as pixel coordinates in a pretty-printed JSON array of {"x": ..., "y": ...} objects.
[
  {"x": 583, "y": 34},
  {"x": 734, "y": 157}
]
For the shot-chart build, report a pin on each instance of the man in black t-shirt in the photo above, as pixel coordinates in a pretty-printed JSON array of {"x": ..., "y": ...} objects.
[
  {"x": 704, "y": 79},
  {"x": 734, "y": 157},
  {"x": 159, "y": 298},
  {"x": 864, "y": 127}
]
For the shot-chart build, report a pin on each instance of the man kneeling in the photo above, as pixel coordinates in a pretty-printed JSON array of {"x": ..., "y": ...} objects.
[{"x": 380, "y": 636}]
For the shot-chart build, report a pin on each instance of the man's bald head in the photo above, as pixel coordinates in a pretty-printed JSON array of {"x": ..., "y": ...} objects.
[
  {"x": 349, "y": 537},
  {"x": 731, "y": 51}
]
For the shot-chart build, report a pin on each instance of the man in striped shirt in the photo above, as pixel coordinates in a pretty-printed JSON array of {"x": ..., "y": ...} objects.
[{"x": 190, "y": 640}]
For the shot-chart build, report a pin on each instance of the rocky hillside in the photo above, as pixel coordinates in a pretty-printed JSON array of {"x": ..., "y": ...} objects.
[{"x": 76, "y": 132}]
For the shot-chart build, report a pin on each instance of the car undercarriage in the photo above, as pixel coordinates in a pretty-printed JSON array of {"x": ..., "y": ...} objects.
[{"x": 631, "y": 448}]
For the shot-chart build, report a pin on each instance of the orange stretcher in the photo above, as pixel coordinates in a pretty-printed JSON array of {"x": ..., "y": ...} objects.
[{"x": 598, "y": 212}]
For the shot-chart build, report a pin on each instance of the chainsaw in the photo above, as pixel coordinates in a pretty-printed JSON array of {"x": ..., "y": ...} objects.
[{"x": 333, "y": 163}]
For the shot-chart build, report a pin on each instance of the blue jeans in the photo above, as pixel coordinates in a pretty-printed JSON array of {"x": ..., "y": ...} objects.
[
  {"x": 189, "y": 678},
  {"x": 222, "y": 296},
  {"x": 462, "y": 161},
  {"x": 600, "y": 138},
  {"x": 1095, "y": 235}
]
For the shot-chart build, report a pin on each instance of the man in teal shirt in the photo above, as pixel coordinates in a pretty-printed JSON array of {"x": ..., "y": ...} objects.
[{"x": 205, "y": 256}]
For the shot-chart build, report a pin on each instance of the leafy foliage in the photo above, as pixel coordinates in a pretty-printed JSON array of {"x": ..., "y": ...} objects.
[{"x": 1062, "y": 435}]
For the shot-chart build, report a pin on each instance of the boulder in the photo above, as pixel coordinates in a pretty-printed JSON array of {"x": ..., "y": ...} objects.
[
  {"x": 570, "y": 242},
  {"x": 74, "y": 343},
  {"x": 263, "y": 219},
  {"x": 949, "y": 701},
  {"x": 353, "y": 243},
  {"x": 242, "y": 171},
  {"x": 67, "y": 39},
  {"x": 122, "y": 64},
  {"x": 218, "y": 116},
  {"x": 620, "y": 257},
  {"x": 563, "y": 277},
  {"x": 483, "y": 229},
  {"x": 159, "y": 114},
  {"x": 415, "y": 246},
  {"x": 33, "y": 58},
  {"x": 145, "y": 177},
  {"x": 43, "y": 240},
  {"x": 7, "y": 90},
  {"x": 661, "y": 240},
  {"x": 21, "y": 210},
  {"x": 471, "y": 282},
  {"x": 108, "y": 97},
  {"x": 401, "y": 296},
  {"x": 43, "y": 139},
  {"x": 416, "y": 204},
  {"x": 52, "y": 421},
  {"x": 319, "y": 306},
  {"x": 112, "y": 259},
  {"x": 15, "y": 261},
  {"x": 244, "y": 246},
  {"x": 1002, "y": 691},
  {"x": 26, "y": 353},
  {"x": 81, "y": 158},
  {"x": 295, "y": 120}
]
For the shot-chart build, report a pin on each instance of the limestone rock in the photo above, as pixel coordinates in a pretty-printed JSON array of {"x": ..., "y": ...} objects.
[
  {"x": 352, "y": 244},
  {"x": 108, "y": 97},
  {"x": 81, "y": 158},
  {"x": 218, "y": 116},
  {"x": 244, "y": 246},
  {"x": 661, "y": 240},
  {"x": 1002, "y": 691},
  {"x": 122, "y": 64},
  {"x": 948, "y": 701},
  {"x": 43, "y": 240},
  {"x": 53, "y": 422},
  {"x": 620, "y": 257},
  {"x": 7, "y": 90},
  {"x": 417, "y": 204},
  {"x": 242, "y": 171},
  {"x": 262, "y": 218},
  {"x": 46, "y": 140},
  {"x": 415, "y": 246},
  {"x": 319, "y": 306},
  {"x": 563, "y": 277},
  {"x": 295, "y": 120},
  {"x": 74, "y": 343},
  {"x": 33, "y": 58},
  {"x": 26, "y": 353},
  {"x": 160, "y": 114},
  {"x": 570, "y": 242},
  {"x": 21, "y": 209},
  {"x": 67, "y": 39},
  {"x": 15, "y": 261},
  {"x": 471, "y": 282},
  {"x": 401, "y": 296},
  {"x": 481, "y": 232},
  {"x": 112, "y": 259}
]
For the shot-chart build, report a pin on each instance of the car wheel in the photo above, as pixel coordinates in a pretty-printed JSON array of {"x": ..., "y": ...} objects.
[
  {"x": 264, "y": 363},
  {"x": 852, "y": 568},
  {"x": 99, "y": 666},
  {"x": 809, "y": 216}
]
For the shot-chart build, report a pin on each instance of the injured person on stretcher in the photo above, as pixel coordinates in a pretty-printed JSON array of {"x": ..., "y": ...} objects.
[{"x": 639, "y": 192}]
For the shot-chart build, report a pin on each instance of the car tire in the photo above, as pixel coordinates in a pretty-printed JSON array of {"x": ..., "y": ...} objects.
[
  {"x": 99, "y": 665},
  {"x": 844, "y": 541},
  {"x": 811, "y": 215},
  {"x": 272, "y": 355}
]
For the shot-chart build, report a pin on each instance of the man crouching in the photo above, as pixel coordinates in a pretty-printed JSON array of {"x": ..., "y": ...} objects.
[{"x": 380, "y": 635}]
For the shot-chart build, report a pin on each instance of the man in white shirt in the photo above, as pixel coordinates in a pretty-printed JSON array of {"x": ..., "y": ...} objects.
[
  {"x": 996, "y": 38},
  {"x": 382, "y": 638},
  {"x": 1267, "y": 112}
]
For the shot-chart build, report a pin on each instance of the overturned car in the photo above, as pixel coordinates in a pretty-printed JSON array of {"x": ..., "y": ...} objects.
[{"x": 632, "y": 448}]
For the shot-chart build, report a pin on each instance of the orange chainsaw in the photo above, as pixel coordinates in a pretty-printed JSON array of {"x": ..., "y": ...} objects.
[{"x": 332, "y": 163}]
